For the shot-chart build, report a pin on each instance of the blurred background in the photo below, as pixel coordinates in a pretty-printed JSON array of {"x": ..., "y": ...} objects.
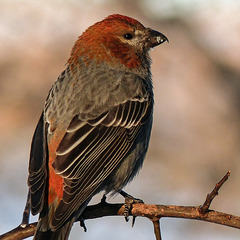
[{"x": 196, "y": 133}]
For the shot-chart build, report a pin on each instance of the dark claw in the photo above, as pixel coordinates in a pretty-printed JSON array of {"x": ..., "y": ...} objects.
[
  {"x": 133, "y": 221},
  {"x": 82, "y": 224}
]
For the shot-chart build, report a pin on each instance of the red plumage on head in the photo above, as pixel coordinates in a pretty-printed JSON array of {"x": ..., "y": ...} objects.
[
  {"x": 100, "y": 42},
  {"x": 125, "y": 19}
]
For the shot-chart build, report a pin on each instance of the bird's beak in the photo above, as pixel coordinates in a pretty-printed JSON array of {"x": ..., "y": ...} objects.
[{"x": 155, "y": 38}]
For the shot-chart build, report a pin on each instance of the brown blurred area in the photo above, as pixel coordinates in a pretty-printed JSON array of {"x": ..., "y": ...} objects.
[{"x": 196, "y": 134}]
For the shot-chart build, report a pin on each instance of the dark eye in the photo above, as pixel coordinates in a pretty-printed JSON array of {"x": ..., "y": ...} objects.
[{"x": 128, "y": 36}]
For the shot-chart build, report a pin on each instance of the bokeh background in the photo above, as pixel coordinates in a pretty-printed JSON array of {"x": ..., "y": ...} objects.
[{"x": 196, "y": 133}]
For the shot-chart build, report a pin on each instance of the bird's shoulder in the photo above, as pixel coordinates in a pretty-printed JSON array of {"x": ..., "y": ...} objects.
[{"x": 89, "y": 95}]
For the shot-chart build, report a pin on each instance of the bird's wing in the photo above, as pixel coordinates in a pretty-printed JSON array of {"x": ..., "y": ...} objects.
[
  {"x": 91, "y": 150},
  {"x": 37, "y": 168}
]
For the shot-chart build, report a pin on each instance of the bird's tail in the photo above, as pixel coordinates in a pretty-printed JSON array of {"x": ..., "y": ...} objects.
[{"x": 61, "y": 234}]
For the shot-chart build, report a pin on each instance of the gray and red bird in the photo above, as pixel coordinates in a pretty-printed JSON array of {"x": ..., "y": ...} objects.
[{"x": 94, "y": 130}]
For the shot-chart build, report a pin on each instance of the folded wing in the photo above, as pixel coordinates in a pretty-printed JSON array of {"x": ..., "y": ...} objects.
[{"x": 91, "y": 150}]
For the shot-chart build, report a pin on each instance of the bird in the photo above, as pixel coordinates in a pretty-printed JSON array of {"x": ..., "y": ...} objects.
[{"x": 94, "y": 130}]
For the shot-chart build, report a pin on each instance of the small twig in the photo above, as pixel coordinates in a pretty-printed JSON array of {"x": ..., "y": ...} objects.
[
  {"x": 157, "y": 231},
  {"x": 205, "y": 207}
]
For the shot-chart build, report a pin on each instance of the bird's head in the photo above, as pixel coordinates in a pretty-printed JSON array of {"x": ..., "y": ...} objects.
[{"x": 117, "y": 40}]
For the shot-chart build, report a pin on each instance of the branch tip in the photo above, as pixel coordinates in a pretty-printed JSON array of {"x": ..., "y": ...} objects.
[{"x": 205, "y": 207}]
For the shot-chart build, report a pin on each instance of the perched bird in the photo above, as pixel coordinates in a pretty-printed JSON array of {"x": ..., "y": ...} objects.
[{"x": 94, "y": 130}]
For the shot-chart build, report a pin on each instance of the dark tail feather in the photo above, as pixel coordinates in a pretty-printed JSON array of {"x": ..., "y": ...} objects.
[{"x": 61, "y": 234}]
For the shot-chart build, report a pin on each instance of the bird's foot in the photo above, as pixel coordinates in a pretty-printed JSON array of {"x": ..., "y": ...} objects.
[{"x": 129, "y": 201}]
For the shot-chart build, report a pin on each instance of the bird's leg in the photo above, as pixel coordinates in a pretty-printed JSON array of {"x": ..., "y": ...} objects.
[
  {"x": 26, "y": 213},
  {"x": 129, "y": 201}
]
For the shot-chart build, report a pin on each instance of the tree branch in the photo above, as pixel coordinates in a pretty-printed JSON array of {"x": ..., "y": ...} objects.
[{"x": 153, "y": 212}]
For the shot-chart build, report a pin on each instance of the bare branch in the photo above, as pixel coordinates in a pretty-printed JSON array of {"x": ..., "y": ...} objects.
[
  {"x": 139, "y": 209},
  {"x": 153, "y": 212}
]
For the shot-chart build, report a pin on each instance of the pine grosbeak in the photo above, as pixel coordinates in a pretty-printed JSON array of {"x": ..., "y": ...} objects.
[{"x": 94, "y": 131}]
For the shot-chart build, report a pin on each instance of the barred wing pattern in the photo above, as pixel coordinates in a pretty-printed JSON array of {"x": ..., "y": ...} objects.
[{"x": 91, "y": 150}]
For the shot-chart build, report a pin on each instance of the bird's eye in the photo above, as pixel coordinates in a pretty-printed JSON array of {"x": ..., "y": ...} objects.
[{"x": 128, "y": 36}]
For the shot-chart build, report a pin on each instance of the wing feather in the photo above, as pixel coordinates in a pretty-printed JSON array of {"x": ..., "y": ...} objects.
[
  {"x": 91, "y": 150},
  {"x": 37, "y": 168}
]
